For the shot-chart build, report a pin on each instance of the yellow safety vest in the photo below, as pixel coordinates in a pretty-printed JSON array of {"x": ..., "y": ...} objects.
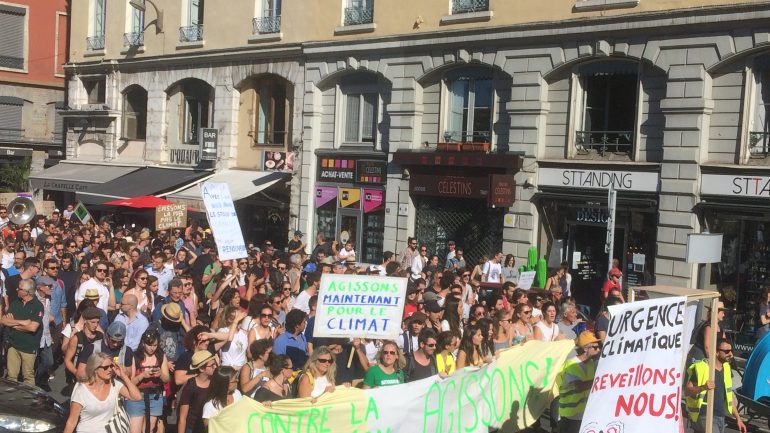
[
  {"x": 700, "y": 372},
  {"x": 572, "y": 403}
]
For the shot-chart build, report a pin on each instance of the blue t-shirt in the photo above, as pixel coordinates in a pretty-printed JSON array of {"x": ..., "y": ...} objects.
[{"x": 293, "y": 347}]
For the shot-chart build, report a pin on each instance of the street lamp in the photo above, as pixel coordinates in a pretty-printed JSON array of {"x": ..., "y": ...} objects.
[{"x": 140, "y": 5}]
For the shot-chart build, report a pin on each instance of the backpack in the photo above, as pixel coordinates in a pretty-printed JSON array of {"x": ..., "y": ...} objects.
[
  {"x": 81, "y": 339},
  {"x": 295, "y": 379}
]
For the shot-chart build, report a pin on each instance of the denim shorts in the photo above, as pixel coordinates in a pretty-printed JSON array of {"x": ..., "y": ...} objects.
[{"x": 135, "y": 409}]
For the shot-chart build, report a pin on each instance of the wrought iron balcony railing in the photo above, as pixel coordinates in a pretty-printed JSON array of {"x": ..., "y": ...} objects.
[
  {"x": 605, "y": 141},
  {"x": 466, "y": 6},
  {"x": 191, "y": 33},
  {"x": 759, "y": 144},
  {"x": 94, "y": 43},
  {"x": 135, "y": 39},
  {"x": 359, "y": 15},
  {"x": 266, "y": 24},
  {"x": 474, "y": 137}
]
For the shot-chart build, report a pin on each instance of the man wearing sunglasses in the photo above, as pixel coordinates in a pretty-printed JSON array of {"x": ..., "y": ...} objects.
[
  {"x": 422, "y": 363},
  {"x": 577, "y": 376},
  {"x": 698, "y": 385},
  {"x": 99, "y": 282}
]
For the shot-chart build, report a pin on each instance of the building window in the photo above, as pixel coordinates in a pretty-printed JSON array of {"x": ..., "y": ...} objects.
[
  {"x": 272, "y": 111},
  {"x": 135, "y": 113},
  {"x": 270, "y": 21},
  {"x": 10, "y": 118},
  {"x": 134, "y": 37},
  {"x": 98, "y": 16},
  {"x": 468, "y": 6},
  {"x": 198, "y": 99},
  {"x": 469, "y": 117},
  {"x": 759, "y": 131},
  {"x": 608, "y": 107},
  {"x": 359, "y": 12},
  {"x": 13, "y": 22},
  {"x": 95, "y": 89},
  {"x": 360, "y": 117},
  {"x": 192, "y": 31}
]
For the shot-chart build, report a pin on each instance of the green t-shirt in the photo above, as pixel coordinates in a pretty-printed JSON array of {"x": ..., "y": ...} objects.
[
  {"x": 376, "y": 377},
  {"x": 23, "y": 341},
  {"x": 213, "y": 269}
]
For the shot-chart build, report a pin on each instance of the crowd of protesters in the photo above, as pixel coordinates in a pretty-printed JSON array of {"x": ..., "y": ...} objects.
[{"x": 159, "y": 319}]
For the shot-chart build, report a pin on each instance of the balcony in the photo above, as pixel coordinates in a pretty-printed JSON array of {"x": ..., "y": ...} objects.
[
  {"x": 469, "y": 6},
  {"x": 355, "y": 16},
  {"x": 759, "y": 144},
  {"x": 266, "y": 25},
  {"x": 192, "y": 33},
  {"x": 134, "y": 39},
  {"x": 601, "y": 142},
  {"x": 457, "y": 141},
  {"x": 95, "y": 43}
]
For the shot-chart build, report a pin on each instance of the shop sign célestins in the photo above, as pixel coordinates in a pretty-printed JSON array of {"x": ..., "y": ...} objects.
[
  {"x": 735, "y": 185},
  {"x": 642, "y": 181},
  {"x": 499, "y": 189}
]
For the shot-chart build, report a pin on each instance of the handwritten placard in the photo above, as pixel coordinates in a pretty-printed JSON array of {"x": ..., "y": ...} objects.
[
  {"x": 170, "y": 216},
  {"x": 508, "y": 394},
  {"x": 638, "y": 383},
  {"x": 526, "y": 279},
  {"x": 223, "y": 220},
  {"x": 360, "y": 306}
]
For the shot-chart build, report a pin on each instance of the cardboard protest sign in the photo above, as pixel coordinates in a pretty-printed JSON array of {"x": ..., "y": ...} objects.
[
  {"x": 511, "y": 392},
  {"x": 81, "y": 213},
  {"x": 170, "y": 216},
  {"x": 526, "y": 279},
  {"x": 360, "y": 306},
  {"x": 223, "y": 220},
  {"x": 638, "y": 382}
]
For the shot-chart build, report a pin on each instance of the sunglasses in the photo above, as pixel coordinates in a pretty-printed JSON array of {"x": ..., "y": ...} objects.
[
  {"x": 430, "y": 345},
  {"x": 266, "y": 316},
  {"x": 101, "y": 270},
  {"x": 725, "y": 350},
  {"x": 53, "y": 268},
  {"x": 389, "y": 352},
  {"x": 527, "y": 312},
  {"x": 325, "y": 360},
  {"x": 142, "y": 278},
  {"x": 281, "y": 268},
  {"x": 105, "y": 367}
]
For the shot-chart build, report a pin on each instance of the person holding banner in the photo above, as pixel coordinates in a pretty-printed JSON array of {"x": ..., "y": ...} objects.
[
  {"x": 699, "y": 383},
  {"x": 389, "y": 369},
  {"x": 470, "y": 353},
  {"x": 318, "y": 375},
  {"x": 575, "y": 380}
]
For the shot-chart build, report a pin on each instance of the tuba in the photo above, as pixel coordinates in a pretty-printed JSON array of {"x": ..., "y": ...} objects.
[{"x": 21, "y": 210}]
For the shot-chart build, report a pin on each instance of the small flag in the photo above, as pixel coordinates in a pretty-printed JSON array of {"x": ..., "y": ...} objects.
[{"x": 81, "y": 213}]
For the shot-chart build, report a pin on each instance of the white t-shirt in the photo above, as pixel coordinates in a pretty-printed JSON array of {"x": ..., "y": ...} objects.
[
  {"x": 302, "y": 302},
  {"x": 549, "y": 334},
  {"x": 93, "y": 283},
  {"x": 210, "y": 408},
  {"x": 95, "y": 412},
  {"x": 493, "y": 271},
  {"x": 234, "y": 352}
]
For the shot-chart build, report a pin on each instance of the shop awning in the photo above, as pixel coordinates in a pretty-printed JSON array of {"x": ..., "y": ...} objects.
[
  {"x": 145, "y": 181},
  {"x": 71, "y": 177},
  {"x": 242, "y": 184}
]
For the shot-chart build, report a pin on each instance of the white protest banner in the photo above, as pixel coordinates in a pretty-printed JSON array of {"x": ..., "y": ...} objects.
[
  {"x": 360, "y": 306},
  {"x": 638, "y": 382},
  {"x": 510, "y": 394},
  {"x": 525, "y": 280},
  {"x": 223, "y": 220}
]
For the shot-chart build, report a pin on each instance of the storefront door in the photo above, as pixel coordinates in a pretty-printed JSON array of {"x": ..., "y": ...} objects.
[
  {"x": 349, "y": 228},
  {"x": 588, "y": 260}
]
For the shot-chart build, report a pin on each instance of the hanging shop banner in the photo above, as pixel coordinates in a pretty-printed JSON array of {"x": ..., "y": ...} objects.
[
  {"x": 509, "y": 394},
  {"x": 278, "y": 161},
  {"x": 371, "y": 172},
  {"x": 336, "y": 169},
  {"x": 502, "y": 190},
  {"x": 373, "y": 199},
  {"x": 324, "y": 194},
  {"x": 638, "y": 382},
  {"x": 223, "y": 220},
  {"x": 360, "y": 306},
  {"x": 350, "y": 198},
  {"x": 170, "y": 216}
]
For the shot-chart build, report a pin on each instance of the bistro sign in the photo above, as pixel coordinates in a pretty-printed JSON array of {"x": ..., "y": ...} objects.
[
  {"x": 735, "y": 186},
  {"x": 642, "y": 181}
]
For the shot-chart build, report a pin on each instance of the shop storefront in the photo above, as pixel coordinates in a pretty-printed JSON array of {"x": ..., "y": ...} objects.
[
  {"x": 737, "y": 204},
  {"x": 350, "y": 202},
  {"x": 460, "y": 197},
  {"x": 572, "y": 203}
]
